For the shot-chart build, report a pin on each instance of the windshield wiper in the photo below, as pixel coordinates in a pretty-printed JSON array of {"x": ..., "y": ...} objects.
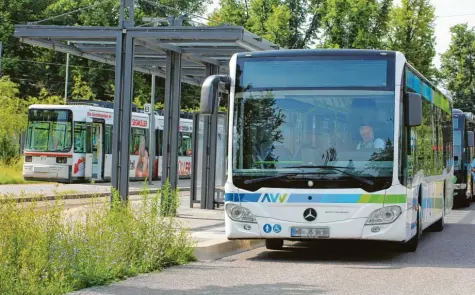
[
  {"x": 275, "y": 177},
  {"x": 337, "y": 168}
]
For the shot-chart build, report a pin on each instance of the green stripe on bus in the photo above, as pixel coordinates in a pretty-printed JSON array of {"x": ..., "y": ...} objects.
[
  {"x": 395, "y": 199},
  {"x": 382, "y": 199}
]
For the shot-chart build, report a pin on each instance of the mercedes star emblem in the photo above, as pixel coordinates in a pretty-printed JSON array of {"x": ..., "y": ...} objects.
[{"x": 310, "y": 214}]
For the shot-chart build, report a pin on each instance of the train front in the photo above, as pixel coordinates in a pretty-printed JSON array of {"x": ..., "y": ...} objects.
[{"x": 48, "y": 145}]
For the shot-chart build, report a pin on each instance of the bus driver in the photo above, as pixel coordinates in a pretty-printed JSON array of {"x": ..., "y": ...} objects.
[{"x": 367, "y": 134}]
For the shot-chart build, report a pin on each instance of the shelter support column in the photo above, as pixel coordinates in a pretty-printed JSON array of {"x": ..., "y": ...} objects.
[
  {"x": 208, "y": 173},
  {"x": 152, "y": 139},
  {"x": 122, "y": 114},
  {"x": 172, "y": 119}
]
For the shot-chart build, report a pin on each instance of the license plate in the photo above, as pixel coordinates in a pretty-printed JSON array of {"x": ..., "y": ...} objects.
[
  {"x": 310, "y": 232},
  {"x": 41, "y": 169}
]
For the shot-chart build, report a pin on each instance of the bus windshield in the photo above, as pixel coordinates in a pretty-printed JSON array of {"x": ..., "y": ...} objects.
[
  {"x": 49, "y": 131},
  {"x": 288, "y": 129}
]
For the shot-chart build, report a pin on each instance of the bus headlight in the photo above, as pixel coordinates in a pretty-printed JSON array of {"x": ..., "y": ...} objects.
[
  {"x": 239, "y": 213},
  {"x": 384, "y": 215},
  {"x": 61, "y": 160}
]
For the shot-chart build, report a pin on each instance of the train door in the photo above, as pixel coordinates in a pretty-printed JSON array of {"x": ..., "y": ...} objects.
[{"x": 95, "y": 149}]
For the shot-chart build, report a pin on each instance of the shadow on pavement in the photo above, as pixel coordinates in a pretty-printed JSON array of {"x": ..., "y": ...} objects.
[{"x": 452, "y": 248}]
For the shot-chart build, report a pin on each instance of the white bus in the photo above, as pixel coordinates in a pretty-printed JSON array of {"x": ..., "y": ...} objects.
[
  {"x": 69, "y": 143},
  {"x": 334, "y": 144}
]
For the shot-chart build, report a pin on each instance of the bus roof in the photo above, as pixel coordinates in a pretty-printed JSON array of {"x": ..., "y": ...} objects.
[
  {"x": 338, "y": 52},
  {"x": 317, "y": 52}
]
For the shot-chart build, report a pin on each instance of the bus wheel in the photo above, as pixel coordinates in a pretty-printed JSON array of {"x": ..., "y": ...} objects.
[
  {"x": 412, "y": 244},
  {"x": 467, "y": 202},
  {"x": 473, "y": 199},
  {"x": 274, "y": 244},
  {"x": 440, "y": 224}
]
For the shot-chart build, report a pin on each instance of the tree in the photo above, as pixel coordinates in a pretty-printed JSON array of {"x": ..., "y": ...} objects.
[
  {"x": 458, "y": 67},
  {"x": 412, "y": 32},
  {"x": 234, "y": 12},
  {"x": 81, "y": 90},
  {"x": 34, "y": 68},
  {"x": 12, "y": 119},
  {"x": 14, "y": 113},
  {"x": 288, "y": 23},
  {"x": 19, "y": 62},
  {"x": 355, "y": 24},
  {"x": 270, "y": 19}
]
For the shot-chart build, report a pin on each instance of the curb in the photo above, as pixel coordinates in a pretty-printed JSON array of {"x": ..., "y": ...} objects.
[
  {"x": 222, "y": 247},
  {"x": 81, "y": 196}
]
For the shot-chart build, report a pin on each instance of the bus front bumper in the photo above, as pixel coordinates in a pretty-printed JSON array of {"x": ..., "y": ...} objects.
[
  {"x": 46, "y": 172},
  {"x": 269, "y": 228}
]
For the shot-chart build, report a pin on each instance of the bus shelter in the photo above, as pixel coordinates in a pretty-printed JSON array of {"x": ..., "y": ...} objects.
[{"x": 177, "y": 53}]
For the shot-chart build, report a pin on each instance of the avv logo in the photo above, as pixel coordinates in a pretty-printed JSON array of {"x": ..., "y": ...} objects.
[{"x": 274, "y": 198}]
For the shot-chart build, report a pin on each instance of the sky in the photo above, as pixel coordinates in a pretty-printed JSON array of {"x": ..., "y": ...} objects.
[{"x": 448, "y": 12}]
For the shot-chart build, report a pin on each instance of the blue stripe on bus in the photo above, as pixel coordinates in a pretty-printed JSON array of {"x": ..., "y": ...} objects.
[
  {"x": 315, "y": 198},
  {"x": 413, "y": 81},
  {"x": 324, "y": 198},
  {"x": 243, "y": 197},
  {"x": 427, "y": 92}
]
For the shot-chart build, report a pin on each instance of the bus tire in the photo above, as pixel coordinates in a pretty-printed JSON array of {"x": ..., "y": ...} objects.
[
  {"x": 472, "y": 183},
  {"x": 274, "y": 244},
  {"x": 466, "y": 202},
  {"x": 412, "y": 244},
  {"x": 439, "y": 225}
]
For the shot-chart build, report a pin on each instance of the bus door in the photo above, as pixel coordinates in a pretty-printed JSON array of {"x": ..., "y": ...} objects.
[{"x": 95, "y": 149}]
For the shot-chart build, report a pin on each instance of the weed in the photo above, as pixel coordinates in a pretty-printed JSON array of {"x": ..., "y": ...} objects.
[{"x": 49, "y": 249}]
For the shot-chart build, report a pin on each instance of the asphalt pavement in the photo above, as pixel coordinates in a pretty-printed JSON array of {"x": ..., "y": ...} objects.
[
  {"x": 50, "y": 189},
  {"x": 443, "y": 264}
]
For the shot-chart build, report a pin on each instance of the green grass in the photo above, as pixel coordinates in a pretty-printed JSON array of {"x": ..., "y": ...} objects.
[
  {"x": 44, "y": 251},
  {"x": 13, "y": 173}
]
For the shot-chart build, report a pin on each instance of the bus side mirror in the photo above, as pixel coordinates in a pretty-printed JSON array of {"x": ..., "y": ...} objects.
[
  {"x": 470, "y": 139},
  {"x": 209, "y": 93},
  {"x": 413, "y": 109}
]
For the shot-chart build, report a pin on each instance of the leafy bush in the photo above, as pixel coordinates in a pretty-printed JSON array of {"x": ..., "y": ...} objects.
[
  {"x": 47, "y": 250},
  {"x": 170, "y": 201},
  {"x": 12, "y": 173}
]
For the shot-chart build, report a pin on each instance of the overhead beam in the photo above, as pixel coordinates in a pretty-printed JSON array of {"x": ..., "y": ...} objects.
[
  {"x": 249, "y": 39},
  {"x": 162, "y": 62},
  {"x": 65, "y": 32},
  {"x": 213, "y": 51},
  {"x": 195, "y": 34},
  {"x": 194, "y": 72},
  {"x": 223, "y": 61},
  {"x": 111, "y": 50},
  {"x": 159, "y": 49},
  {"x": 200, "y": 59}
]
